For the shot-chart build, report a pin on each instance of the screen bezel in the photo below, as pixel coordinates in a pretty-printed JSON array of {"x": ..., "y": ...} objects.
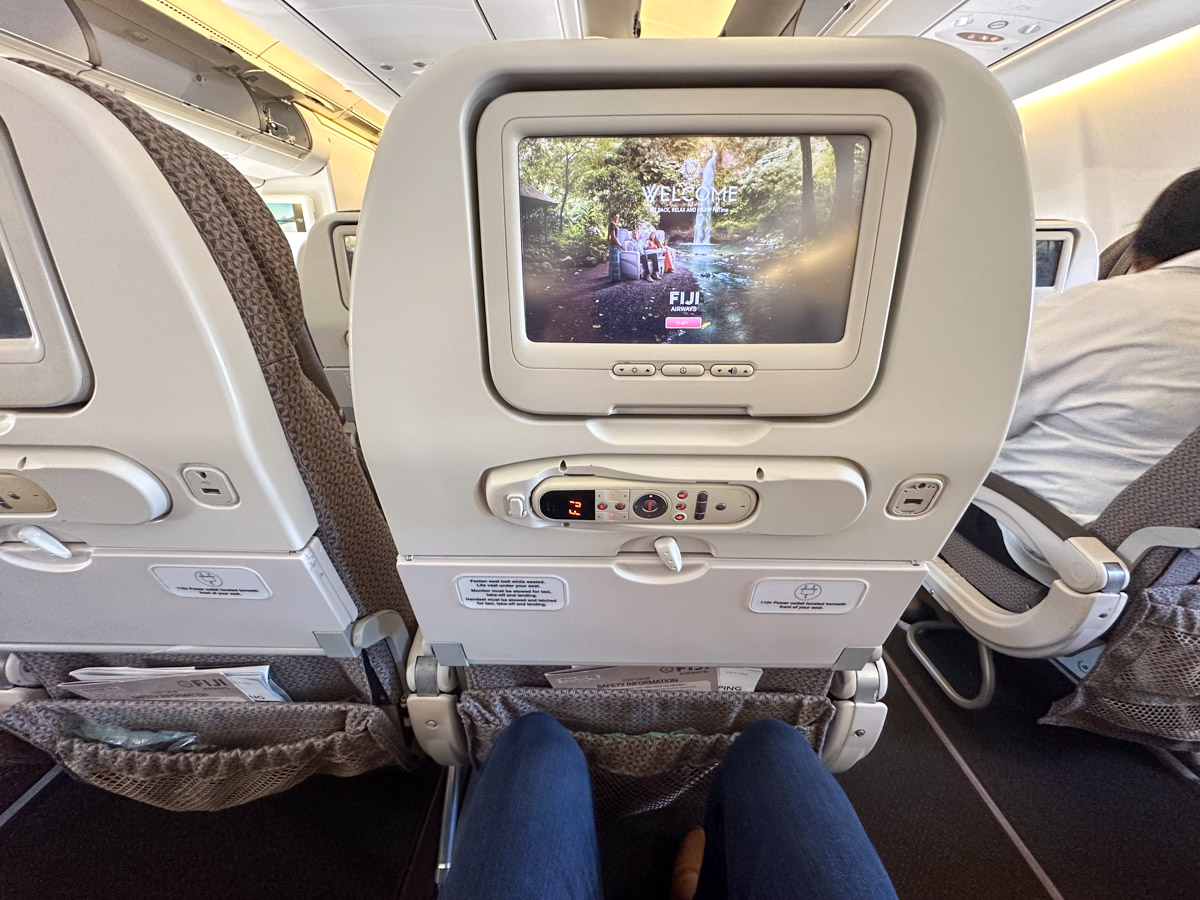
[
  {"x": 49, "y": 368},
  {"x": 1064, "y": 259},
  {"x": 833, "y": 355},
  {"x": 844, "y": 371},
  {"x": 338, "y": 235}
]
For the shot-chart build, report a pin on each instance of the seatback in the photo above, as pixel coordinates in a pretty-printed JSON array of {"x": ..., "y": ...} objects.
[
  {"x": 1143, "y": 687},
  {"x": 1167, "y": 495},
  {"x": 833, "y": 469},
  {"x": 1117, "y": 258},
  {"x": 325, "y": 265},
  {"x": 204, "y": 488}
]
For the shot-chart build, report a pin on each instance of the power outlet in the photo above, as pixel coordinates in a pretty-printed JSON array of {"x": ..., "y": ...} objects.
[
  {"x": 209, "y": 485},
  {"x": 20, "y": 496},
  {"x": 915, "y": 496}
]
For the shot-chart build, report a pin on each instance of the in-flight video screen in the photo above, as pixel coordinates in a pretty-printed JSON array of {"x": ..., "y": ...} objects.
[
  {"x": 704, "y": 239},
  {"x": 1049, "y": 255}
]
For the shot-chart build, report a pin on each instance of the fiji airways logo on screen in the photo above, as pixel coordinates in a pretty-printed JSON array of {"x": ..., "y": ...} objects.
[{"x": 690, "y": 197}]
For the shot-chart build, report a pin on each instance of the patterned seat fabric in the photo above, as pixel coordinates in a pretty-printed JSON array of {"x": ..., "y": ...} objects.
[
  {"x": 1168, "y": 494},
  {"x": 256, "y": 263},
  {"x": 1117, "y": 258},
  {"x": 1000, "y": 584}
]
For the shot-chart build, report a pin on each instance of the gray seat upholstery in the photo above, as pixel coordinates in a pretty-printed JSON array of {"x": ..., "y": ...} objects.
[
  {"x": 1117, "y": 258},
  {"x": 1011, "y": 590}
]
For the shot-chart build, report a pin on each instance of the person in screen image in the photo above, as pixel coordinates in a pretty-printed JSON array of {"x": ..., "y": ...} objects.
[
  {"x": 649, "y": 258},
  {"x": 1112, "y": 380},
  {"x": 777, "y": 827},
  {"x": 653, "y": 242},
  {"x": 614, "y": 248}
]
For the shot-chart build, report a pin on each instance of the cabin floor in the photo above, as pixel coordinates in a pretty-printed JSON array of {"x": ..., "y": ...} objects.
[{"x": 985, "y": 804}]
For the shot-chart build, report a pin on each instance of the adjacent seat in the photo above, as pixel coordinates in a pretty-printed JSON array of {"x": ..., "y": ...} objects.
[
  {"x": 1144, "y": 684},
  {"x": 202, "y": 504},
  {"x": 325, "y": 264}
]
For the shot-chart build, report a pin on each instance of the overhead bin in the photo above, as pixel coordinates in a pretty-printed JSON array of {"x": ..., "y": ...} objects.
[{"x": 197, "y": 85}]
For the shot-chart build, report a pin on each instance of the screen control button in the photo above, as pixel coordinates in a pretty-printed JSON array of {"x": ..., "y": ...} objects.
[
  {"x": 638, "y": 369},
  {"x": 650, "y": 506},
  {"x": 687, "y": 370},
  {"x": 733, "y": 371}
]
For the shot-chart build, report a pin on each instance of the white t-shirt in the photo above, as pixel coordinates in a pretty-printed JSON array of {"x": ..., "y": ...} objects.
[{"x": 1111, "y": 386}]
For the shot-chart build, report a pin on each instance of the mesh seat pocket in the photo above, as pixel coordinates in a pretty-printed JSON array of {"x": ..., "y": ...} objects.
[
  {"x": 646, "y": 750},
  {"x": 1146, "y": 685},
  {"x": 255, "y": 749}
]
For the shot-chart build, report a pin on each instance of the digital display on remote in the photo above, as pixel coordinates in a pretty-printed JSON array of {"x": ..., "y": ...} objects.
[
  {"x": 569, "y": 505},
  {"x": 701, "y": 239}
]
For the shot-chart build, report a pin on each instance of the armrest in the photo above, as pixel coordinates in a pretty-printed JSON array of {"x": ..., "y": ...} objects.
[
  {"x": 1082, "y": 562},
  {"x": 1064, "y": 623},
  {"x": 1060, "y": 524}
]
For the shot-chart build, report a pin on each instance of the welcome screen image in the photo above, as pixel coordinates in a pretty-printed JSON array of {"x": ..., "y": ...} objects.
[{"x": 690, "y": 239}]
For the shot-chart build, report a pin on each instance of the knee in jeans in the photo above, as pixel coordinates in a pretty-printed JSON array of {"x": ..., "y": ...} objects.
[
  {"x": 770, "y": 736},
  {"x": 539, "y": 732}
]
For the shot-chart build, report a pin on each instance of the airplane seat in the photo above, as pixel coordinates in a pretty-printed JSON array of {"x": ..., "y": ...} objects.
[
  {"x": 193, "y": 500},
  {"x": 1119, "y": 608},
  {"x": 325, "y": 264},
  {"x": 616, "y": 473},
  {"x": 1117, "y": 258}
]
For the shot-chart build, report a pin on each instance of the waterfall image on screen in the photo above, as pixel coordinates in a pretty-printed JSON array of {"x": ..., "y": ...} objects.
[{"x": 719, "y": 239}]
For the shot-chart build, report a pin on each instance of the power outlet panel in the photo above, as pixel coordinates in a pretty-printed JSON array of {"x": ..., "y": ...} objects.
[{"x": 915, "y": 496}]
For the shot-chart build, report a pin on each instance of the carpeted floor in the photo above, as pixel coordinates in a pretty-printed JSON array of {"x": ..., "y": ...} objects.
[
  {"x": 20, "y": 768},
  {"x": 1104, "y": 818},
  {"x": 328, "y": 838}
]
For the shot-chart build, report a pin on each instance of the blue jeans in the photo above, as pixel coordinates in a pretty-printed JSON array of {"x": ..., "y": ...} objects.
[{"x": 777, "y": 825}]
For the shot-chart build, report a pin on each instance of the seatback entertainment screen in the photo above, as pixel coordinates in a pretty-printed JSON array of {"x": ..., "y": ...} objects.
[
  {"x": 705, "y": 239},
  {"x": 1049, "y": 256}
]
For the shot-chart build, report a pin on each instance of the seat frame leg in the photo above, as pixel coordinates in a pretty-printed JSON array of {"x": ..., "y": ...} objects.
[
  {"x": 451, "y": 802},
  {"x": 987, "y": 684}
]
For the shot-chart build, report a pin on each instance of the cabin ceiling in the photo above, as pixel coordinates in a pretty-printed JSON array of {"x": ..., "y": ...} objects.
[{"x": 378, "y": 48}]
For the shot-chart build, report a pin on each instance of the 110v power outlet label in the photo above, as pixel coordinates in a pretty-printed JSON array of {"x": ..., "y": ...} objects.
[
  {"x": 511, "y": 592},
  {"x": 822, "y": 596},
  {"x": 231, "y": 582}
]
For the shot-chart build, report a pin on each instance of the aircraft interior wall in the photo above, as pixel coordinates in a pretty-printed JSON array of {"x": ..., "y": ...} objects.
[{"x": 1102, "y": 144}]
